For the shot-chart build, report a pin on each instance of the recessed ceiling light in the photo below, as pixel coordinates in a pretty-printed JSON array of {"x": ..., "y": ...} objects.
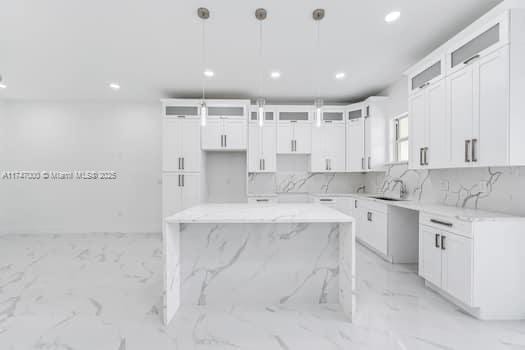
[
  {"x": 340, "y": 75},
  {"x": 392, "y": 16},
  {"x": 3, "y": 86},
  {"x": 275, "y": 75},
  {"x": 208, "y": 73},
  {"x": 114, "y": 86}
]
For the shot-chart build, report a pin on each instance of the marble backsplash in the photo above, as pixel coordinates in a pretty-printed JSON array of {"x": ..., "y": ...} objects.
[
  {"x": 304, "y": 182},
  {"x": 493, "y": 189}
]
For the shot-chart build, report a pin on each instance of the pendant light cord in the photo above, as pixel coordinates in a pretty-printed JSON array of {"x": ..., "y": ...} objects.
[
  {"x": 318, "y": 70},
  {"x": 260, "y": 57},
  {"x": 203, "y": 79}
]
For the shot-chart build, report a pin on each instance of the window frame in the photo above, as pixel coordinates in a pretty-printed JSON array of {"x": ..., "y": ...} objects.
[{"x": 396, "y": 140}]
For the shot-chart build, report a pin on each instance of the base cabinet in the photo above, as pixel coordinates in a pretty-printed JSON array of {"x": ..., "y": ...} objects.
[
  {"x": 446, "y": 262},
  {"x": 389, "y": 231},
  {"x": 473, "y": 264}
]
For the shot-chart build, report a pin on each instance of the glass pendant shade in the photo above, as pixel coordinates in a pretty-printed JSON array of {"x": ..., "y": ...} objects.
[
  {"x": 260, "y": 110},
  {"x": 318, "y": 111},
  {"x": 204, "y": 113}
]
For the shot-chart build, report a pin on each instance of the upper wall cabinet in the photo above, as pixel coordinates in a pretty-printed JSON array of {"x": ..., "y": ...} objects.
[
  {"x": 486, "y": 39},
  {"x": 294, "y": 130},
  {"x": 262, "y": 142},
  {"x": 427, "y": 73},
  {"x": 479, "y": 121},
  {"x": 328, "y": 142},
  {"x": 225, "y": 128},
  {"x": 355, "y": 138},
  {"x": 376, "y": 136},
  {"x": 429, "y": 127},
  {"x": 181, "y": 150}
]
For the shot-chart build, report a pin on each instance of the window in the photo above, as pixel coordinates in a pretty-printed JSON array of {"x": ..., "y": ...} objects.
[{"x": 400, "y": 138}]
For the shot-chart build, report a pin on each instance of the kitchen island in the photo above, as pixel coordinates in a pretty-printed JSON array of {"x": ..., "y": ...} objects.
[{"x": 258, "y": 254}]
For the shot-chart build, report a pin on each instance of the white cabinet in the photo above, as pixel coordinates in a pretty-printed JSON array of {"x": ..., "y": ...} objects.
[
  {"x": 389, "y": 231},
  {"x": 473, "y": 263},
  {"x": 328, "y": 143},
  {"x": 430, "y": 255},
  {"x": 376, "y": 134},
  {"x": 479, "y": 107},
  {"x": 355, "y": 139},
  {"x": 429, "y": 127},
  {"x": 294, "y": 130},
  {"x": 181, "y": 144},
  {"x": 262, "y": 147},
  {"x": 224, "y": 133},
  {"x": 374, "y": 230},
  {"x": 446, "y": 261},
  {"x": 179, "y": 191},
  {"x": 457, "y": 266}
]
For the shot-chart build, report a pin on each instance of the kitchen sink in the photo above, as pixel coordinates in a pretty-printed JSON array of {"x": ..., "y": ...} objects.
[{"x": 387, "y": 198}]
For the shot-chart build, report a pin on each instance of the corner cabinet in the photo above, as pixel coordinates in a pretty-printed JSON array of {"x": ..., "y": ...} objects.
[
  {"x": 225, "y": 129},
  {"x": 262, "y": 143},
  {"x": 294, "y": 130},
  {"x": 328, "y": 142}
]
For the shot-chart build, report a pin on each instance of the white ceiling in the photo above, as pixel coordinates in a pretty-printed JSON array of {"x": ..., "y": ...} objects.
[{"x": 64, "y": 49}]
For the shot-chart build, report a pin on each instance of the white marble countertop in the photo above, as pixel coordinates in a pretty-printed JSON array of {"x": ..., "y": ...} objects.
[
  {"x": 257, "y": 213},
  {"x": 464, "y": 214}
]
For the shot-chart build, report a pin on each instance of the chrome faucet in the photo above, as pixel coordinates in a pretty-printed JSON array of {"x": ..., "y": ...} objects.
[
  {"x": 403, "y": 192},
  {"x": 361, "y": 188}
]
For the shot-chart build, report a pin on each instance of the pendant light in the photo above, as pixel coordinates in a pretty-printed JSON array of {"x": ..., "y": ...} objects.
[
  {"x": 318, "y": 15},
  {"x": 203, "y": 14},
  {"x": 260, "y": 15}
]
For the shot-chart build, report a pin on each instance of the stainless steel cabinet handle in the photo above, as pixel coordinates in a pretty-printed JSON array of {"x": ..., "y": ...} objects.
[
  {"x": 474, "y": 151},
  {"x": 225, "y": 140},
  {"x": 425, "y": 156},
  {"x": 467, "y": 151},
  {"x": 291, "y": 145},
  {"x": 369, "y": 216},
  {"x": 180, "y": 182},
  {"x": 260, "y": 164},
  {"x": 326, "y": 200},
  {"x": 363, "y": 163},
  {"x": 264, "y": 164},
  {"x": 355, "y": 203},
  {"x": 443, "y": 242},
  {"x": 369, "y": 162},
  {"x": 182, "y": 163},
  {"x": 424, "y": 85},
  {"x": 439, "y": 222},
  {"x": 421, "y": 156},
  {"x": 436, "y": 240},
  {"x": 222, "y": 141},
  {"x": 472, "y": 59},
  {"x": 295, "y": 145},
  {"x": 262, "y": 200},
  {"x": 179, "y": 163}
]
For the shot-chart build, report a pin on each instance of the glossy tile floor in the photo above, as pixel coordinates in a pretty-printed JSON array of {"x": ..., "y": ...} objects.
[{"x": 102, "y": 292}]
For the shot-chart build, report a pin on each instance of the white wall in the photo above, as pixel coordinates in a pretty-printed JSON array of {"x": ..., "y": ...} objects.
[
  {"x": 398, "y": 98},
  {"x": 69, "y": 136}
]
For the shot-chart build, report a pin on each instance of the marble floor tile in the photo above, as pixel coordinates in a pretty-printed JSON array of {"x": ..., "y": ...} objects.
[{"x": 101, "y": 292}]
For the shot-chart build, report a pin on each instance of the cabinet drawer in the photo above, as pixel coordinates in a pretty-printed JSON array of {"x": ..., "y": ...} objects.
[
  {"x": 374, "y": 206},
  {"x": 441, "y": 222}
]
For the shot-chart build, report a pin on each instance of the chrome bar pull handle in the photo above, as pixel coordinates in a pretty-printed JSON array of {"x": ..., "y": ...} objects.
[
  {"x": 467, "y": 151},
  {"x": 474, "y": 151},
  {"x": 436, "y": 240}
]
